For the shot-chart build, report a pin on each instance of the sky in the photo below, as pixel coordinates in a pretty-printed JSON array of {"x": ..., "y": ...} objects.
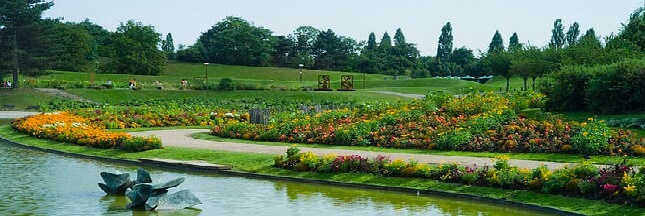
[{"x": 473, "y": 21}]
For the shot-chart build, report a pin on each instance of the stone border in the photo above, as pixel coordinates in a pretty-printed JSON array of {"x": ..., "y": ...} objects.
[{"x": 143, "y": 162}]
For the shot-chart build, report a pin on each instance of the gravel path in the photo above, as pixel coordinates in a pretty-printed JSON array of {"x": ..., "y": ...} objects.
[{"x": 182, "y": 138}]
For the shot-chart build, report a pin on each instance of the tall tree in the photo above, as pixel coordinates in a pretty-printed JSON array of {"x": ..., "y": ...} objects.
[
  {"x": 168, "y": 46},
  {"x": 283, "y": 52},
  {"x": 572, "y": 34},
  {"x": 444, "y": 48},
  {"x": 496, "y": 44},
  {"x": 305, "y": 37},
  {"x": 557, "y": 35},
  {"x": 332, "y": 52},
  {"x": 386, "y": 43},
  {"x": 399, "y": 38},
  {"x": 136, "y": 50},
  {"x": 634, "y": 31},
  {"x": 371, "y": 42},
  {"x": 514, "y": 42},
  {"x": 462, "y": 56},
  {"x": 499, "y": 63},
  {"x": 19, "y": 27},
  {"x": 69, "y": 46},
  {"x": 235, "y": 41}
]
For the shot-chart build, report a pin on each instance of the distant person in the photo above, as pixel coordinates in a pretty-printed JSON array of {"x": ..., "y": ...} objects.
[{"x": 9, "y": 84}]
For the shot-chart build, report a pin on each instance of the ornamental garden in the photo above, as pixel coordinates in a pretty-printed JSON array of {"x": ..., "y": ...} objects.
[{"x": 471, "y": 122}]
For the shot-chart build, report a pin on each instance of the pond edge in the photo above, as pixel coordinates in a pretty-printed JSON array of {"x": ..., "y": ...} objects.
[{"x": 545, "y": 209}]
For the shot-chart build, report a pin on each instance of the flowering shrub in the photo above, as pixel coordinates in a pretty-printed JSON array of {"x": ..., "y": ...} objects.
[
  {"x": 471, "y": 122},
  {"x": 66, "y": 127},
  {"x": 618, "y": 183}
]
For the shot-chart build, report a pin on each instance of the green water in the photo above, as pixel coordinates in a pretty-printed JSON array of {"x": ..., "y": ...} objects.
[{"x": 37, "y": 183}]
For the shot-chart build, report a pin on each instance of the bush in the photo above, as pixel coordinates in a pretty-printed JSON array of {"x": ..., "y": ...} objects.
[
  {"x": 138, "y": 144},
  {"x": 226, "y": 84},
  {"x": 453, "y": 140},
  {"x": 619, "y": 89},
  {"x": 592, "y": 139}
]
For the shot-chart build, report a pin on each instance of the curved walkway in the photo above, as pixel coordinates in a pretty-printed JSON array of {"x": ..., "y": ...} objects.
[
  {"x": 416, "y": 96},
  {"x": 183, "y": 138}
]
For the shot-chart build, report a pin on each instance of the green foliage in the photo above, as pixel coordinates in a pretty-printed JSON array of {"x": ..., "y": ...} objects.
[
  {"x": 444, "y": 48},
  {"x": 557, "y": 35},
  {"x": 634, "y": 31},
  {"x": 453, "y": 140},
  {"x": 499, "y": 63},
  {"x": 226, "y": 84},
  {"x": 496, "y": 44},
  {"x": 611, "y": 88},
  {"x": 139, "y": 144},
  {"x": 168, "y": 46},
  {"x": 135, "y": 50},
  {"x": 235, "y": 41},
  {"x": 514, "y": 42},
  {"x": 572, "y": 34},
  {"x": 592, "y": 139}
]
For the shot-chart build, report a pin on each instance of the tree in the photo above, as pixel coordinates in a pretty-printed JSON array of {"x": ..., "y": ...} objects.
[
  {"x": 69, "y": 46},
  {"x": 20, "y": 35},
  {"x": 514, "y": 42},
  {"x": 283, "y": 52},
  {"x": 444, "y": 48},
  {"x": 135, "y": 50},
  {"x": 305, "y": 37},
  {"x": 399, "y": 38},
  {"x": 496, "y": 44},
  {"x": 462, "y": 57},
  {"x": 371, "y": 42},
  {"x": 634, "y": 31},
  {"x": 572, "y": 34},
  {"x": 499, "y": 63},
  {"x": 332, "y": 52},
  {"x": 235, "y": 41},
  {"x": 557, "y": 35},
  {"x": 386, "y": 43},
  {"x": 100, "y": 39},
  {"x": 168, "y": 47}
]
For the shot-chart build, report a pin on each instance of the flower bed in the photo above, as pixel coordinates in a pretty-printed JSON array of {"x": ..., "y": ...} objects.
[
  {"x": 617, "y": 184},
  {"x": 472, "y": 122},
  {"x": 66, "y": 127}
]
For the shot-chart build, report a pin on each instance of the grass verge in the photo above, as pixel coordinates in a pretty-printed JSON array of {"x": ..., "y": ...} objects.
[
  {"x": 261, "y": 164},
  {"x": 562, "y": 158}
]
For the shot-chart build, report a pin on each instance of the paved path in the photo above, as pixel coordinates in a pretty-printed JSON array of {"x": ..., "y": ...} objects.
[
  {"x": 417, "y": 96},
  {"x": 14, "y": 114},
  {"x": 63, "y": 94},
  {"x": 182, "y": 138}
]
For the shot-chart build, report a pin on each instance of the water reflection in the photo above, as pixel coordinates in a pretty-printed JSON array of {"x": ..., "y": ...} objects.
[{"x": 47, "y": 184}]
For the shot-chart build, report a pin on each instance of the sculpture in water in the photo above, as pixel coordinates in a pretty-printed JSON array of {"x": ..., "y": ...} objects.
[{"x": 145, "y": 194}]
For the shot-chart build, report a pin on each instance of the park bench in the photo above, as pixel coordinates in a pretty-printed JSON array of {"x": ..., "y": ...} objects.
[
  {"x": 7, "y": 107},
  {"x": 32, "y": 107}
]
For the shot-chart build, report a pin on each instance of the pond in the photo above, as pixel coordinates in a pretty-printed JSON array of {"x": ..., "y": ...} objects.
[{"x": 41, "y": 183}]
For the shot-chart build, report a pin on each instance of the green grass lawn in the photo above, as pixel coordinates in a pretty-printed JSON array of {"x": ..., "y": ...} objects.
[
  {"x": 118, "y": 95},
  {"x": 281, "y": 77},
  {"x": 23, "y": 97}
]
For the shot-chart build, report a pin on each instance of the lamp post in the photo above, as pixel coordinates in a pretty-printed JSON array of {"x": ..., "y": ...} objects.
[
  {"x": 301, "y": 65},
  {"x": 206, "y": 72}
]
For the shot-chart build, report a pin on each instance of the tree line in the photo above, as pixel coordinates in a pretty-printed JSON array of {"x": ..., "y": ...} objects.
[{"x": 31, "y": 45}]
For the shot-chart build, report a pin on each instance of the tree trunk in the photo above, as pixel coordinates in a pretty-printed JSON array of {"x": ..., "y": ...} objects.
[
  {"x": 525, "y": 79},
  {"x": 508, "y": 83},
  {"x": 533, "y": 83},
  {"x": 14, "y": 62}
]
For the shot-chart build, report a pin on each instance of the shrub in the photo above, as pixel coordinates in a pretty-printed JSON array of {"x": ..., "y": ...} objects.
[
  {"x": 226, "y": 84},
  {"x": 453, "y": 140},
  {"x": 592, "y": 139}
]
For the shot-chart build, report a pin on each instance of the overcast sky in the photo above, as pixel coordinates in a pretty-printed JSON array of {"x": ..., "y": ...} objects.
[{"x": 473, "y": 21}]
